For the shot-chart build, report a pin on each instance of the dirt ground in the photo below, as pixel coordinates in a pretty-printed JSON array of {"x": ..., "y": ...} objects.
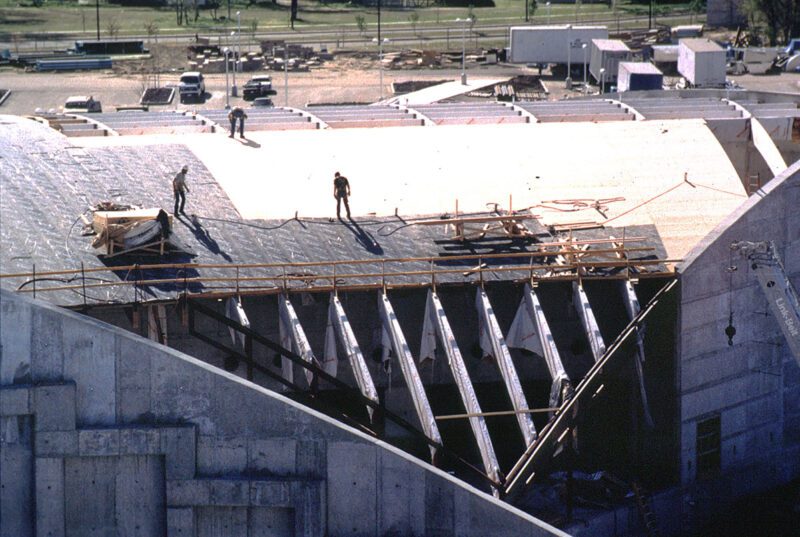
[{"x": 350, "y": 78}]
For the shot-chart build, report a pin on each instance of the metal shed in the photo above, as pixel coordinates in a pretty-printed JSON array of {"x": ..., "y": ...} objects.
[
  {"x": 702, "y": 62},
  {"x": 606, "y": 54},
  {"x": 635, "y": 76}
]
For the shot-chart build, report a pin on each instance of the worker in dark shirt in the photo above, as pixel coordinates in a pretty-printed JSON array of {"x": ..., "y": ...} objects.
[
  {"x": 179, "y": 188},
  {"x": 233, "y": 115},
  {"x": 341, "y": 191}
]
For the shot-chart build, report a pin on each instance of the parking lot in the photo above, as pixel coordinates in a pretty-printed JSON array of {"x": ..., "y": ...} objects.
[{"x": 335, "y": 82}]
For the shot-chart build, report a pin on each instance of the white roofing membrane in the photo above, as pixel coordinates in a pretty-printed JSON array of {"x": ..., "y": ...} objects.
[{"x": 425, "y": 170}]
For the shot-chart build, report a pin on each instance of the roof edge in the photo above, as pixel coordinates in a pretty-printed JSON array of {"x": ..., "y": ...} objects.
[{"x": 789, "y": 174}]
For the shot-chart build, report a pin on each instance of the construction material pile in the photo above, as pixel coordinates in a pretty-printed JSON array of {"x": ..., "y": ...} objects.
[{"x": 121, "y": 229}]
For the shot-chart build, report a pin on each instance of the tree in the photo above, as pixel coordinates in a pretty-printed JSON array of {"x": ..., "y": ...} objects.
[
  {"x": 533, "y": 5},
  {"x": 414, "y": 19},
  {"x": 695, "y": 8},
  {"x": 781, "y": 18},
  {"x": 112, "y": 28},
  {"x": 361, "y": 23}
]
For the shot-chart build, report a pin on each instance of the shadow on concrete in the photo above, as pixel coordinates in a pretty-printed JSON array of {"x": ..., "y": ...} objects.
[{"x": 248, "y": 143}]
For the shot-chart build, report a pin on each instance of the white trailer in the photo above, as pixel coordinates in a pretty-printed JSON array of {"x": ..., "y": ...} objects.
[
  {"x": 639, "y": 76},
  {"x": 557, "y": 44},
  {"x": 607, "y": 54},
  {"x": 702, "y": 62}
]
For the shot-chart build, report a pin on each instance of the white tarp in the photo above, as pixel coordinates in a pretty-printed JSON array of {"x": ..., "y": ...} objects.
[
  {"x": 531, "y": 331},
  {"x": 632, "y": 307},
  {"x": 235, "y": 312},
  {"x": 393, "y": 335},
  {"x": 493, "y": 344},
  {"x": 340, "y": 326},
  {"x": 588, "y": 321},
  {"x": 293, "y": 338},
  {"x": 435, "y": 318}
]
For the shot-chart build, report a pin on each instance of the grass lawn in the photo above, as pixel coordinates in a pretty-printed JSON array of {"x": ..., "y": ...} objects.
[{"x": 70, "y": 18}]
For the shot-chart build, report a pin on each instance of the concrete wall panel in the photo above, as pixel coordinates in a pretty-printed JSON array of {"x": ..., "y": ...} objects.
[
  {"x": 274, "y": 456},
  {"x": 439, "y": 506},
  {"x": 221, "y": 521},
  {"x": 133, "y": 385},
  {"x": 140, "y": 497},
  {"x": 401, "y": 495},
  {"x": 271, "y": 522},
  {"x": 90, "y": 492},
  {"x": 16, "y": 476},
  {"x": 89, "y": 360},
  {"x": 221, "y": 456},
  {"x": 352, "y": 489},
  {"x": 752, "y": 383},
  {"x": 15, "y": 330},
  {"x": 178, "y": 393},
  {"x": 50, "y": 497},
  {"x": 47, "y": 342}
]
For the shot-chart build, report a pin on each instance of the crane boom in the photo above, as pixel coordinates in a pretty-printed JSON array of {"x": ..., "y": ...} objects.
[{"x": 777, "y": 287}]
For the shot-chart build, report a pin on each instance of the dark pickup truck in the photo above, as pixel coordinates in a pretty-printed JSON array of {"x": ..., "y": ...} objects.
[{"x": 258, "y": 86}]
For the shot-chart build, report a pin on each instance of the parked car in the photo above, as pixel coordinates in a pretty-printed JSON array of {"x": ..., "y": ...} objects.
[
  {"x": 81, "y": 104},
  {"x": 192, "y": 86},
  {"x": 258, "y": 86},
  {"x": 262, "y": 102}
]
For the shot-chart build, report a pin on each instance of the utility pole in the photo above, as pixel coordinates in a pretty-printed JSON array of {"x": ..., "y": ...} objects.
[
  {"x": 379, "y": 21},
  {"x": 97, "y": 9}
]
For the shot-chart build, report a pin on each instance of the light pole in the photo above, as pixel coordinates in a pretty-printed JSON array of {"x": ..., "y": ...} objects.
[
  {"x": 238, "y": 37},
  {"x": 568, "y": 80},
  {"x": 548, "y": 12},
  {"x": 234, "y": 91},
  {"x": 380, "y": 43},
  {"x": 464, "y": 49},
  {"x": 584, "y": 47},
  {"x": 227, "y": 96},
  {"x": 602, "y": 80}
]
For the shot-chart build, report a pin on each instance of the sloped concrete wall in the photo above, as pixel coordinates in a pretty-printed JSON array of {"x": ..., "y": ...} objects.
[
  {"x": 106, "y": 433},
  {"x": 753, "y": 385}
]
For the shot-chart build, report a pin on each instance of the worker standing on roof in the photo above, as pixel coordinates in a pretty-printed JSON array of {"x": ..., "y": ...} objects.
[
  {"x": 341, "y": 191},
  {"x": 233, "y": 115},
  {"x": 179, "y": 188}
]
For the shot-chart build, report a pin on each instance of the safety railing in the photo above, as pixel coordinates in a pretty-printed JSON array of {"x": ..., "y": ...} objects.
[{"x": 551, "y": 262}]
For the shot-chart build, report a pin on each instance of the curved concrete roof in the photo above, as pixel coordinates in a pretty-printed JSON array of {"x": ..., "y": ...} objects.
[{"x": 273, "y": 175}]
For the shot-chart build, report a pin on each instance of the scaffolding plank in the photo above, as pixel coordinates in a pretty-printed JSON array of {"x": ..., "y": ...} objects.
[
  {"x": 588, "y": 321},
  {"x": 436, "y": 324},
  {"x": 493, "y": 343},
  {"x": 293, "y": 337},
  {"x": 344, "y": 333},
  {"x": 632, "y": 307},
  {"x": 392, "y": 329},
  {"x": 530, "y": 330}
]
